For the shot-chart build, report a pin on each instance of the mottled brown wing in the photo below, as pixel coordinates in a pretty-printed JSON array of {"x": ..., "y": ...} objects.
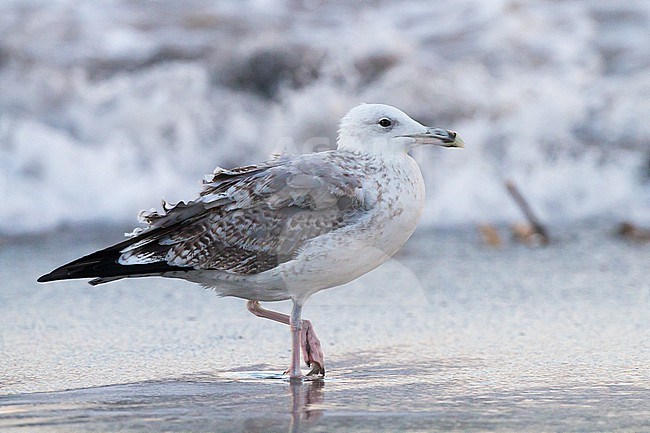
[{"x": 251, "y": 219}]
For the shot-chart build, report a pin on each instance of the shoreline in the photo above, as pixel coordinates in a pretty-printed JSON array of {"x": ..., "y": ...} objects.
[{"x": 449, "y": 335}]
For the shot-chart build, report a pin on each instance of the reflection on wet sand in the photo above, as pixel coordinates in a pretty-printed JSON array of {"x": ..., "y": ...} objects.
[
  {"x": 460, "y": 394},
  {"x": 305, "y": 398}
]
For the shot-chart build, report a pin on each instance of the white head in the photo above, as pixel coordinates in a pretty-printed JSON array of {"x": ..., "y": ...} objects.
[{"x": 382, "y": 129}]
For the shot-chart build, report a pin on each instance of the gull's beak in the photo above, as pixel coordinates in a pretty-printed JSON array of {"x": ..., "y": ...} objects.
[{"x": 437, "y": 136}]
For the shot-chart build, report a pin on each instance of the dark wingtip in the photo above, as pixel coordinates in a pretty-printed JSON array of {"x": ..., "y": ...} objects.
[
  {"x": 103, "y": 266},
  {"x": 52, "y": 276}
]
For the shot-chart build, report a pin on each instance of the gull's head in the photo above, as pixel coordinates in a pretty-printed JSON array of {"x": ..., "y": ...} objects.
[{"x": 382, "y": 129}]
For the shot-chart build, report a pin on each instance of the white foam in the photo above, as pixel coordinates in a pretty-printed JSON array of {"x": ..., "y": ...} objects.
[{"x": 104, "y": 110}]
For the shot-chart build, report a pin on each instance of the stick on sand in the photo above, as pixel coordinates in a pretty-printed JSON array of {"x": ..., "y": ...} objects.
[{"x": 528, "y": 212}]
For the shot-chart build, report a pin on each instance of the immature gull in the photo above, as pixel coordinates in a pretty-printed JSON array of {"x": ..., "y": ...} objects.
[{"x": 288, "y": 227}]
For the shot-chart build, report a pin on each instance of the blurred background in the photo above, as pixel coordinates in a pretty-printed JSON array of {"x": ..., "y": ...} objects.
[{"x": 107, "y": 106}]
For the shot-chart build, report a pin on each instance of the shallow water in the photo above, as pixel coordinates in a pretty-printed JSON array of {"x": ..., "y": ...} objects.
[
  {"x": 401, "y": 399},
  {"x": 449, "y": 336}
]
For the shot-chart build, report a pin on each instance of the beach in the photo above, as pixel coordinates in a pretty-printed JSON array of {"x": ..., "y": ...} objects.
[
  {"x": 107, "y": 106},
  {"x": 450, "y": 335}
]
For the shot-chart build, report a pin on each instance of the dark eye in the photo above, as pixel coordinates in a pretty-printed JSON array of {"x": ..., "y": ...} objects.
[{"x": 385, "y": 123}]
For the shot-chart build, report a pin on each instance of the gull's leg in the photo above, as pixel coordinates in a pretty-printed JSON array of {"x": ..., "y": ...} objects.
[
  {"x": 312, "y": 350},
  {"x": 255, "y": 308},
  {"x": 296, "y": 325},
  {"x": 311, "y": 347}
]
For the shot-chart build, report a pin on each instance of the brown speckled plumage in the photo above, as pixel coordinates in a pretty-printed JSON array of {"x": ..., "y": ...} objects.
[{"x": 250, "y": 219}]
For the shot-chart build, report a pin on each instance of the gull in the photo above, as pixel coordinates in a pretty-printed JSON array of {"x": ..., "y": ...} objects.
[{"x": 286, "y": 228}]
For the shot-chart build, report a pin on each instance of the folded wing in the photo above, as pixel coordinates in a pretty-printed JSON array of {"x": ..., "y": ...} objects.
[{"x": 245, "y": 221}]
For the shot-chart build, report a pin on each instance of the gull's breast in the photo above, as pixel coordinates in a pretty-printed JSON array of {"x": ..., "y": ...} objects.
[{"x": 396, "y": 197}]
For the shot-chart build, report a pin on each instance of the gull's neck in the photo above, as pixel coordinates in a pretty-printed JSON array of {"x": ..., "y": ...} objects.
[{"x": 381, "y": 148}]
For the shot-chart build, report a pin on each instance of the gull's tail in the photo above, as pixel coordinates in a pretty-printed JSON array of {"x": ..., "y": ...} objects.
[{"x": 103, "y": 266}]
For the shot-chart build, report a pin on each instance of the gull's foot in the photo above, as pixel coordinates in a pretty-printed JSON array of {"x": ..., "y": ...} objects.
[
  {"x": 311, "y": 349},
  {"x": 316, "y": 369}
]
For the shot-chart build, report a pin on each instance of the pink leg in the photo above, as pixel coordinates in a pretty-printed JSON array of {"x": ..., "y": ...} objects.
[
  {"x": 295, "y": 322},
  {"x": 312, "y": 350},
  {"x": 311, "y": 347}
]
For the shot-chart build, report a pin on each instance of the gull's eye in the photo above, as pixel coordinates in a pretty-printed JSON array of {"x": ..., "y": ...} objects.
[{"x": 384, "y": 122}]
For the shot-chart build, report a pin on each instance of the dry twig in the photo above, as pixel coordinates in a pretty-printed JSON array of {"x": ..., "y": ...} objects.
[{"x": 538, "y": 230}]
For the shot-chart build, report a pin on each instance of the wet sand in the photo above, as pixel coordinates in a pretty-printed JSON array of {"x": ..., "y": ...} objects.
[{"x": 449, "y": 336}]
